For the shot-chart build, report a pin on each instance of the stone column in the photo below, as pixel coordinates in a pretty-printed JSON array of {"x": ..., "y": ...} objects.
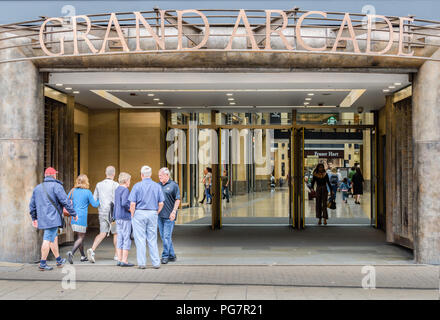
[
  {"x": 21, "y": 150},
  {"x": 426, "y": 139}
]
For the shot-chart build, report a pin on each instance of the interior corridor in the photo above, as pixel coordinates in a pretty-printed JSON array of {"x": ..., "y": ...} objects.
[{"x": 272, "y": 207}]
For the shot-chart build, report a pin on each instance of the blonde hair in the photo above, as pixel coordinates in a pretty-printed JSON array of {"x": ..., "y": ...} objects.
[
  {"x": 334, "y": 170},
  {"x": 82, "y": 182},
  {"x": 124, "y": 177}
]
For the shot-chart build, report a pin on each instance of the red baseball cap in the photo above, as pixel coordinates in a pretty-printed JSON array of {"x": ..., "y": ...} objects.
[{"x": 50, "y": 171}]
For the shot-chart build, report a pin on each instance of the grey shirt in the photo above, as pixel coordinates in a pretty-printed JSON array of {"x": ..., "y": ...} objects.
[{"x": 105, "y": 193}]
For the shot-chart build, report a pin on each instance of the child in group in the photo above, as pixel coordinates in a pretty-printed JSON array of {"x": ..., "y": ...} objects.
[{"x": 345, "y": 187}]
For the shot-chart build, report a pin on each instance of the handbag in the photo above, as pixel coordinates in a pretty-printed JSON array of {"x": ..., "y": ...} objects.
[
  {"x": 53, "y": 203},
  {"x": 65, "y": 212},
  {"x": 331, "y": 205}
]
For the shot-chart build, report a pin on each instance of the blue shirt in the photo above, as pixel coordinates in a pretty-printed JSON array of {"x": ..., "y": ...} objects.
[
  {"x": 122, "y": 205},
  {"x": 82, "y": 198},
  {"x": 171, "y": 193},
  {"x": 146, "y": 194}
]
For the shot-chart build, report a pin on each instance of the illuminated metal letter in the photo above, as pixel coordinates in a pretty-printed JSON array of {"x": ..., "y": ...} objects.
[
  {"x": 120, "y": 37},
  {"x": 180, "y": 13},
  {"x": 43, "y": 45},
  {"x": 249, "y": 33},
  {"x": 82, "y": 35},
  {"x": 269, "y": 31},
  {"x": 401, "y": 53},
  {"x": 352, "y": 37},
  {"x": 159, "y": 42},
  {"x": 391, "y": 39},
  {"x": 299, "y": 38}
]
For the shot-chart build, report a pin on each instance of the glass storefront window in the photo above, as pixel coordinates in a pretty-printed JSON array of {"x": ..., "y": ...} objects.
[{"x": 343, "y": 118}]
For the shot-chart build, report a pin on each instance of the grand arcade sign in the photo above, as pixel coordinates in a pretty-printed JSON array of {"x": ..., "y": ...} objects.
[{"x": 81, "y": 26}]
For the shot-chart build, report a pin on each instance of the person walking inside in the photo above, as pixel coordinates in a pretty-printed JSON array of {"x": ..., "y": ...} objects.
[
  {"x": 168, "y": 214},
  {"x": 207, "y": 184},
  {"x": 105, "y": 194},
  {"x": 146, "y": 201},
  {"x": 334, "y": 182},
  {"x": 225, "y": 186},
  {"x": 350, "y": 175},
  {"x": 357, "y": 183},
  {"x": 321, "y": 179},
  {"x": 81, "y": 197},
  {"x": 45, "y": 208},
  {"x": 344, "y": 189},
  {"x": 123, "y": 220}
]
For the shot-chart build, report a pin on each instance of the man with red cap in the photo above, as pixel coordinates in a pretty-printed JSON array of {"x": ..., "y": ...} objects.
[{"x": 46, "y": 210}]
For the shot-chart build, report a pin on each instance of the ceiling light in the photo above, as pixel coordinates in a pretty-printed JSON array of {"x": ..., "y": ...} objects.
[
  {"x": 156, "y": 99},
  {"x": 160, "y": 102},
  {"x": 231, "y": 103},
  {"x": 397, "y": 84},
  {"x": 306, "y": 103},
  {"x": 386, "y": 90},
  {"x": 310, "y": 94},
  {"x": 75, "y": 92},
  {"x": 151, "y": 94},
  {"x": 59, "y": 84},
  {"x": 68, "y": 88},
  {"x": 308, "y": 99},
  {"x": 391, "y": 87},
  {"x": 229, "y": 94},
  {"x": 231, "y": 99}
]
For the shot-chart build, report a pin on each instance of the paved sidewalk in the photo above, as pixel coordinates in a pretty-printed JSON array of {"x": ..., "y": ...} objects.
[
  {"x": 404, "y": 276},
  {"x": 53, "y": 290}
]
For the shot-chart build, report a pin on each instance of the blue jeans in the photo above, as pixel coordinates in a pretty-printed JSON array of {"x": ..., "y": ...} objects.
[
  {"x": 145, "y": 229},
  {"x": 334, "y": 189},
  {"x": 166, "y": 227},
  {"x": 225, "y": 192},
  {"x": 344, "y": 195},
  {"x": 208, "y": 194},
  {"x": 123, "y": 228}
]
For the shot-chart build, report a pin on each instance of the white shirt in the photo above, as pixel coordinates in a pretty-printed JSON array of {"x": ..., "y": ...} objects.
[{"x": 105, "y": 193}]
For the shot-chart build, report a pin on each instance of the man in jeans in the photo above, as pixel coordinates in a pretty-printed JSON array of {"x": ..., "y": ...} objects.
[
  {"x": 146, "y": 202},
  {"x": 46, "y": 210},
  {"x": 168, "y": 214},
  {"x": 105, "y": 193}
]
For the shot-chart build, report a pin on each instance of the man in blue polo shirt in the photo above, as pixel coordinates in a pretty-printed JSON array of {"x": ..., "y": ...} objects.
[
  {"x": 146, "y": 201},
  {"x": 168, "y": 214}
]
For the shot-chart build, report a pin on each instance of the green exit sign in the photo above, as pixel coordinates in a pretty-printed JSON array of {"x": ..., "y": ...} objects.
[{"x": 332, "y": 120}]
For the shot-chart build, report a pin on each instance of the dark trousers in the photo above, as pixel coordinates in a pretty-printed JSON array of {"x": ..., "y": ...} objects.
[{"x": 321, "y": 202}]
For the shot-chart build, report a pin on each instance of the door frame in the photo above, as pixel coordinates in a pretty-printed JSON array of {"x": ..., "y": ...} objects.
[{"x": 296, "y": 220}]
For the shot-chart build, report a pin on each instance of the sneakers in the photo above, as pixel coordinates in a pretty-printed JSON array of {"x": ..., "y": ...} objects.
[
  {"x": 128, "y": 264},
  {"x": 70, "y": 257},
  {"x": 44, "y": 268},
  {"x": 116, "y": 258},
  {"x": 84, "y": 259},
  {"x": 61, "y": 263},
  {"x": 156, "y": 267},
  {"x": 119, "y": 263},
  {"x": 91, "y": 255},
  {"x": 142, "y": 267},
  {"x": 164, "y": 261},
  {"x": 172, "y": 259}
]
